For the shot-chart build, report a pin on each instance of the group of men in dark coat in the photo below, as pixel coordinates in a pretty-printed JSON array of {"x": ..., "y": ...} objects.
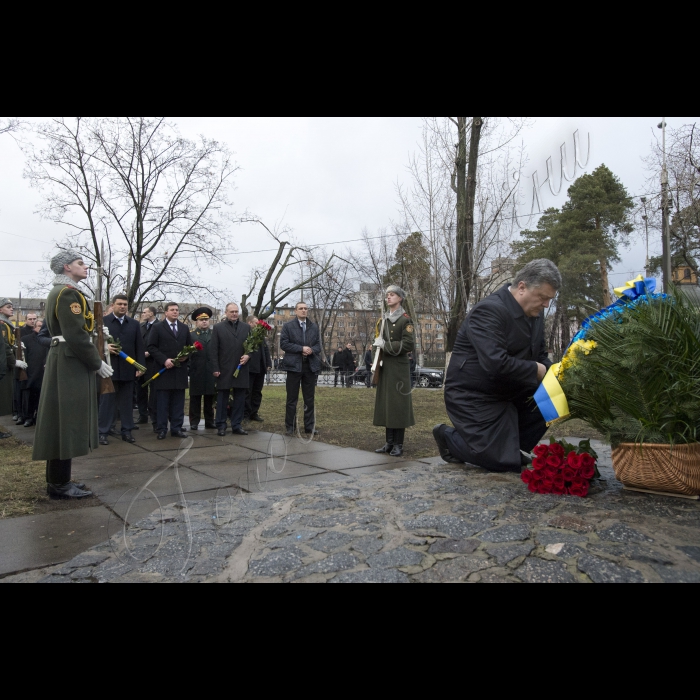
[{"x": 344, "y": 365}]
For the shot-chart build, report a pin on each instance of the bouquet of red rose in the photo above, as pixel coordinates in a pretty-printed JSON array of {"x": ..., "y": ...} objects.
[
  {"x": 254, "y": 341},
  {"x": 561, "y": 469},
  {"x": 184, "y": 354}
]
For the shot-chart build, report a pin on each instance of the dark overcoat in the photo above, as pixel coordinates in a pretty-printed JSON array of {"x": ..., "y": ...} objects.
[
  {"x": 35, "y": 356},
  {"x": 227, "y": 350},
  {"x": 131, "y": 339},
  {"x": 164, "y": 346},
  {"x": 261, "y": 359},
  {"x": 67, "y": 419},
  {"x": 492, "y": 372},
  {"x": 145, "y": 333},
  {"x": 7, "y": 386},
  {"x": 292, "y": 342},
  {"x": 394, "y": 403},
  {"x": 3, "y": 357},
  {"x": 202, "y": 379}
]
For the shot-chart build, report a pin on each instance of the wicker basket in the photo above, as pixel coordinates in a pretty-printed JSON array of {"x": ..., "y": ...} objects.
[{"x": 659, "y": 467}]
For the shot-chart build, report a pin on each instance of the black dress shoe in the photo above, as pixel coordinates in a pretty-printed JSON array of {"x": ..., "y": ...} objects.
[
  {"x": 142, "y": 421},
  {"x": 127, "y": 437},
  {"x": 315, "y": 433},
  {"x": 209, "y": 427},
  {"x": 386, "y": 450},
  {"x": 222, "y": 432},
  {"x": 194, "y": 427},
  {"x": 439, "y": 435},
  {"x": 82, "y": 487},
  {"x": 104, "y": 441},
  {"x": 155, "y": 428},
  {"x": 163, "y": 435},
  {"x": 4, "y": 436},
  {"x": 182, "y": 435},
  {"x": 240, "y": 431},
  {"x": 114, "y": 433},
  {"x": 20, "y": 420},
  {"x": 290, "y": 433},
  {"x": 15, "y": 417},
  {"x": 257, "y": 419},
  {"x": 67, "y": 492},
  {"x": 29, "y": 424},
  {"x": 136, "y": 427}
]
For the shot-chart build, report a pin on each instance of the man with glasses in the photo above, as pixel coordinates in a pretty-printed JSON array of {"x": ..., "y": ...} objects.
[
  {"x": 499, "y": 359},
  {"x": 301, "y": 342}
]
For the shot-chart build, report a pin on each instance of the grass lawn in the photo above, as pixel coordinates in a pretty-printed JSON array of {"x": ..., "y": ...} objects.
[
  {"x": 22, "y": 482},
  {"x": 345, "y": 418}
]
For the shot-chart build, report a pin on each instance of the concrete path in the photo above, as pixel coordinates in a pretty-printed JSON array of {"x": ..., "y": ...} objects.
[{"x": 208, "y": 466}]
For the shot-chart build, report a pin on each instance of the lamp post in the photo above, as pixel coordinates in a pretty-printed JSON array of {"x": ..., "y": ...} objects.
[
  {"x": 646, "y": 224},
  {"x": 665, "y": 216}
]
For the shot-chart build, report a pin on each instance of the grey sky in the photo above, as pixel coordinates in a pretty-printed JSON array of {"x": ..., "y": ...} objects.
[{"x": 325, "y": 177}]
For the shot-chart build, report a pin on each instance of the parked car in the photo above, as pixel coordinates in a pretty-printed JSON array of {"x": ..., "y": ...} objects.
[{"x": 423, "y": 378}]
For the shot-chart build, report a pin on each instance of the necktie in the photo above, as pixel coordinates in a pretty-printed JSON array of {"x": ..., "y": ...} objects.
[
  {"x": 303, "y": 328},
  {"x": 174, "y": 325}
]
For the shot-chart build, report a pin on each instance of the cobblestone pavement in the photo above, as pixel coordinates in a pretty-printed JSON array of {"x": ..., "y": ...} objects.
[{"x": 426, "y": 523}]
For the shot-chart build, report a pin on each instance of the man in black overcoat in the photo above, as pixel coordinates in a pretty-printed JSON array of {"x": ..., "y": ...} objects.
[
  {"x": 227, "y": 354},
  {"x": 202, "y": 379},
  {"x": 146, "y": 398},
  {"x": 35, "y": 354},
  {"x": 165, "y": 342},
  {"x": 260, "y": 364},
  {"x": 339, "y": 365},
  {"x": 301, "y": 342},
  {"x": 499, "y": 359},
  {"x": 350, "y": 365},
  {"x": 369, "y": 362},
  {"x": 4, "y": 351},
  {"x": 126, "y": 332}
]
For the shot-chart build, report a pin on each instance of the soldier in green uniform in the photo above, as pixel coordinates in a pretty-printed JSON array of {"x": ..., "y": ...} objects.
[
  {"x": 3, "y": 371},
  {"x": 202, "y": 380},
  {"x": 394, "y": 404},
  {"x": 7, "y": 384},
  {"x": 67, "y": 419}
]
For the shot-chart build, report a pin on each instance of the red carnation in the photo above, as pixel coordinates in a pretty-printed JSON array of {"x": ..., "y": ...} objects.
[
  {"x": 541, "y": 451},
  {"x": 587, "y": 473},
  {"x": 199, "y": 347},
  {"x": 557, "y": 449},
  {"x": 539, "y": 464},
  {"x": 554, "y": 461},
  {"x": 569, "y": 474}
]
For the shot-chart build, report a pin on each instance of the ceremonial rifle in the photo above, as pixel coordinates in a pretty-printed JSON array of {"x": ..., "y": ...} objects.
[
  {"x": 19, "y": 353},
  {"x": 377, "y": 366},
  {"x": 106, "y": 384}
]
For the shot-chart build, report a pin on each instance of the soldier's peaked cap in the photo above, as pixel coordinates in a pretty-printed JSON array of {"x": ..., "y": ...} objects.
[{"x": 202, "y": 314}]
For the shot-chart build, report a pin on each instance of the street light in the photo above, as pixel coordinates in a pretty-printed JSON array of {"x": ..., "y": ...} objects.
[
  {"x": 665, "y": 211},
  {"x": 646, "y": 224}
]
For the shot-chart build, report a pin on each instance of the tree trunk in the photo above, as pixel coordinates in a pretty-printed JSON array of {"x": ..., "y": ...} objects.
[
  {"x": 607, "y": 297},
  {"x": 464, "y": 184}
]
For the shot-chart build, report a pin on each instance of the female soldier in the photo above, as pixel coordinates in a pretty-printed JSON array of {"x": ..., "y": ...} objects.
[{"x": 394, "y": 406}]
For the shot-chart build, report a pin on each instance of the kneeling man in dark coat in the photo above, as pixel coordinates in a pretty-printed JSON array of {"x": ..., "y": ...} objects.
[{"x": 499, "y": 359}]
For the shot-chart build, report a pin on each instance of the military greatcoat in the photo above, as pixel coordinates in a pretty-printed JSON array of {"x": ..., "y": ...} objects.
[
  {"x": 394, "y": 404},
  {"x": 67, "y": 419},
  {"x": 7, "y": 385},
  {"x": 202, "y": 379}
]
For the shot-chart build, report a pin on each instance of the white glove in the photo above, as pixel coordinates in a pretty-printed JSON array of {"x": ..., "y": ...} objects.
[
  {"x": 105, "y": 371},
  {"x": 24, "y": 347},
  {"x": 379, "y": 343},
  {"x": 21, "y": 365},
  {"x": 105, "y": 332}
]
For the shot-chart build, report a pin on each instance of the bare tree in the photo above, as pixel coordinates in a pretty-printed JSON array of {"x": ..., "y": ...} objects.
[{"x": 10, "y": 125}]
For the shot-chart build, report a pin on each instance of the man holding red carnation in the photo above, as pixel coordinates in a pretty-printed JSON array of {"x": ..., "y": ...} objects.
[{"x": 500, "y": 358}]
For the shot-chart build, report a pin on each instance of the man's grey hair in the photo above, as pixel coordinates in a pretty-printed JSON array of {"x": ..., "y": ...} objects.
[{"x": 538, "y": 273}]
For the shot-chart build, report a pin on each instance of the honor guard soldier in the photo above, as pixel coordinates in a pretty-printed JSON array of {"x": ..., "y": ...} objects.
[
  {"x": 7, "y": 384},
  {"x": 202, "y": 380},
  {"x": 67, "y": 418},
  {"x": 394, "y": 404},
  {"x": 3, "y": 371}
]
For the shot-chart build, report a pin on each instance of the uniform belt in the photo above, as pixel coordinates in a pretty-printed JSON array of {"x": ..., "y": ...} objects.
[{"x": 57, "y": 341}]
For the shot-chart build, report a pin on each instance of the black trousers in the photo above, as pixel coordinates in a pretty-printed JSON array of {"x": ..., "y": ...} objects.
[
  {"x": 492, "y": 431},
  {"x": 306, "y": 381},
  {"x": 20, "y": 402},
  {"x": 34, "y": 396},
  {"x": 350, "y": 379},
  {"x": 171, "y": 408},
  {"x": 254, "y": 395},
  {"x": 58, "y": 471},
  {"x": 237, "y": 408},
  {"x": 147, "y": 399},
  {"x": 123, "y": 401},
  {"x": 196, "y": 410},
  {"x": 368, "y": 378},
  {"x": 339, "y": 375}
]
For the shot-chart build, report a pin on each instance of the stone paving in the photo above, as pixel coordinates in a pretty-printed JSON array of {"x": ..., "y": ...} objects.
[{"x": 425, "y": 522}]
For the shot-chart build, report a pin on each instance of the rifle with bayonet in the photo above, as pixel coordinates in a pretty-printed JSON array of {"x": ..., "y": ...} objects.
[
  {"x": 377, "y": 366},
  {"x": 106, "y": 384},
  {"x": 19, "y": 350}
]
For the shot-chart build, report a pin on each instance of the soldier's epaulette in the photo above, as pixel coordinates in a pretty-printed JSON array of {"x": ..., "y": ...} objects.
[{"x": 406, "y": 316}]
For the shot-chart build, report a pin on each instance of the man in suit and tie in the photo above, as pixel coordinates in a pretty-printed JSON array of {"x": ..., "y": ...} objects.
[
  {"x": 227, "y": 355},
  {"x": 301, "y": 342},
  {"x": 165, "y": 342},
  {"x": 260, "y": 364},
  {"x": 147, "y": 397},
  {"x": 128, "y": 334}
]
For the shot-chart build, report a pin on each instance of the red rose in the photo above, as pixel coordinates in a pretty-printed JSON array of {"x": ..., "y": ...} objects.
[
  {"x": 266, "y": 326},
  {"x": 534, "y": 486},
  {"x": 559, "y": 483},
  {"x": 198, "y": 346},
  {"x": 526, "y": 476},
  {"x": 541, "y": 451},
  {"x": 539, "y": 464},
  {"x": 559, "y": 490},
  {"x": 557, "y": 450},
  {"x": 554, "y": 462},
  {"x": 551, "y": 472},
  {"x": 548, "y": 482},
  {"x": 543, "y": 489},
  {"x": 574, "y": 461},
  {"x": 579, "y": 489},
  {"x": 587, "y": 460},
  {"x": 587, "y": 473},
  {"x": 569, "y": 474}
]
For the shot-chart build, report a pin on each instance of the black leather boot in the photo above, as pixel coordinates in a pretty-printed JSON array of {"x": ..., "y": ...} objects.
[
  {"x": 387, "y": 449},
  {"x": 397, "y": 451},
  {"x": 399, "y": 438}
]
